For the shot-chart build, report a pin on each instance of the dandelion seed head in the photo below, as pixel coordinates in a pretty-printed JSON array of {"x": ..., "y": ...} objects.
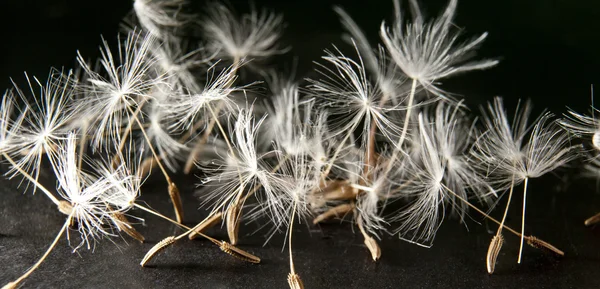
[
  {"x": 120, "y": 85},
  {"x": 157, "y": 17},
  {"x": 253, "y": 35},
  {"x": 85, "y": 194},
  {"x": 427, "y": 52}
]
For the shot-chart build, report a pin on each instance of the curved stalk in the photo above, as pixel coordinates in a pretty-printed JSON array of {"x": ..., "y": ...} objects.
[
  {"x": 15, "y": 283},
  {"x": 523, "y": 221},
  {"x": 32, "y": 179}
]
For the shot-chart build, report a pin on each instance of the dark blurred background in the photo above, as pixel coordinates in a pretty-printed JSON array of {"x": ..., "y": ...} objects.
[{"x": 549, "y": 52}]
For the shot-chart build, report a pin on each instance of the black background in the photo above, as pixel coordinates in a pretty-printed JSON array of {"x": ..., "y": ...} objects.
[{"x": 549, "y": 52}]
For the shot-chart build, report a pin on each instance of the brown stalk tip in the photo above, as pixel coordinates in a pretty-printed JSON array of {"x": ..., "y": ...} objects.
[
  {"x": 541, "y": 244},
  {"x": 176, "y": 199},
  {"x": 238, "y": 253},
  {"x": 333, "y": 212},
  {"x": 115, "y": 162},
  {"x": 338, "y": 190},
  {"x": 595, "y": 219},
  {"x": 294, "y": 281},
  {"x": 373, "y": 248},
  {"x": 157, "y": 248},
  {"x": 65, "y": 207},
  {"x": 493, "y": 251},
  {"x": 207, "y": 223},
  {"x": 146, "y": 167},
  {"x": 233, "y": 226},
  {"x": 126, "y": 227}
]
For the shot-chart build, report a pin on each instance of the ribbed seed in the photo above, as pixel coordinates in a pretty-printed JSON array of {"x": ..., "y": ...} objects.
[{"x": 157, "y": 248}]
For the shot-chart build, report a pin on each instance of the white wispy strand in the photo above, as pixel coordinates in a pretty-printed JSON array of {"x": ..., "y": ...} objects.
[
  {"x": 254, "y": 35},
  {"x": 44, "y": 125},
  {"x": 290, "y": 120},
  {"x": 122, "y": 83},
  {"x": 8, "y": 127},
  {"x": 427, "y": 52},
  {"x": 85, "y": 196},
  {"x": 156, "y": 16},
  {"x": 583, "y": 125}
]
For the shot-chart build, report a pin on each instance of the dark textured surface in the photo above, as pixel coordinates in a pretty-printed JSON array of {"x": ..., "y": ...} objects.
[{"x": 549, "y": 53}]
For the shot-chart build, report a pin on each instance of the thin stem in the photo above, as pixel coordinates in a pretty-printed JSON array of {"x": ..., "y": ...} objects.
[
  {"x": 198, "y": 147},
  {"x": 176, "y": 223},
  {"x": 292, "y": 268},
  {"x": 523, "y": 221},
  {"x": 128, "y": 129},
  {"x": 39, "y": 262},
  {"x": 370, "y": 153},
  {"x": 82, "y": 142},
  {"x": 512, "y": 186},
  {"x": 480, "y": 211},
  {"x": 162, "y": 168},
  {"x": 31, "y": 179},
  {"x": 172, "y": 188},
  {"x": 339, "y": 149},
  {"x": 398, "y": 147},
  {"x": 211, "y": 125},
  {"x": 160, "y": 215}
]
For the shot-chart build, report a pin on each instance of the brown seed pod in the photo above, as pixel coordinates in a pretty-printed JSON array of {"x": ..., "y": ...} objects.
[
  {"x": 493, "y": 251},
  {"x": 336, "y": 211},
  {"x": 238, "y": 253},
  {"x": 232, "y": 217},
  {"x": 157, "y": 248},
  {"x": 294, "y": 281},
  {"x": 176, "y": 199},
  {"x": 126, "y": 227},
  {"x": 541, "y": 244},
  {"x": 207, "y": 223}
]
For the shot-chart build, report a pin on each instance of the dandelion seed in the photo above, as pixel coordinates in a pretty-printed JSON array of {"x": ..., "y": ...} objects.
[
  {"x": 511, "y": 161},
  {"x": 187, "y": 108},
  {"x": 44, "y": 126},
  {"x": 173, "y": 61},
  {"x": 122, "y": 84},
  {"x": 158, "y": 16},
  {"x": 420, "y": 219},
  {"x": 427, "y": 52},
  {"x": 241, "y": 169},
  {"x": 387, "y": 75},
  {"x": 251, "y": 36},
  {"x": 493, "y": 252},
  {"x": 352, "y": 99},
  {"x": 85, "y": 195}
]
